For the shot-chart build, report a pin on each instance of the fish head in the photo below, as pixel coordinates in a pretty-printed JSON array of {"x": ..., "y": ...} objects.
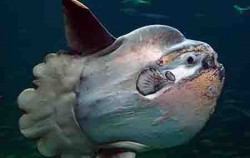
[
  {"x": 185, "y": 83},
  {"x": 188, "y": 63}
]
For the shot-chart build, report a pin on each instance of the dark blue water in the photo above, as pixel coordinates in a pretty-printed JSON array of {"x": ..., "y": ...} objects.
[{"x": 30, "y": 29}]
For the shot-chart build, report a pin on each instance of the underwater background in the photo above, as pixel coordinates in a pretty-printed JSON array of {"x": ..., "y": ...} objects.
[{"x": 32, "y": 28}]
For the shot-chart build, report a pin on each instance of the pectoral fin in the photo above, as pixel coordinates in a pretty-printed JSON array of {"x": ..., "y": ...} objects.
[{"x": 152, "y": 80}]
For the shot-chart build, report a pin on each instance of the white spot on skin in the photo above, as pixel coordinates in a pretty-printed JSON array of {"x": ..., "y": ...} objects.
[{"x": 182, "y": 72}]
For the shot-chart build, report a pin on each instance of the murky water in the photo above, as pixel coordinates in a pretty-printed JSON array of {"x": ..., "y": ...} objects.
[{"x": 31, "y": 29}]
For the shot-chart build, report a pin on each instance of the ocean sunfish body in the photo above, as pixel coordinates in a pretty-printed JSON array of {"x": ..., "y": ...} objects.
[{"x": 149, "y": 89}]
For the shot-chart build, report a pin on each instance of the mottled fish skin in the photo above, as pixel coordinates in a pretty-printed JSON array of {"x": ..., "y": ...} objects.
[{"x": 152, "y": 80}]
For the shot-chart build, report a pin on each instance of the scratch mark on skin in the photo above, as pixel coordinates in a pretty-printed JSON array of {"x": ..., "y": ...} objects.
[{"x": 161, "y": 119}]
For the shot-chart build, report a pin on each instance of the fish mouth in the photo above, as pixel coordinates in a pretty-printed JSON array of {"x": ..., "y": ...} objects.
[
  {"x": 221, "y": 72},
  {"x": 211, "y": 64}
]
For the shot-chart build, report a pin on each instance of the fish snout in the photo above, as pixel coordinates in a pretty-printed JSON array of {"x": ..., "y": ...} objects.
[
  {"x": 222, "y": 72},
  {"x": 209, "y": 62}
]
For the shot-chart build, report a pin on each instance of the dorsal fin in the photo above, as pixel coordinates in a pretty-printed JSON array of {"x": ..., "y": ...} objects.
[{"x": 85, "y": 34}]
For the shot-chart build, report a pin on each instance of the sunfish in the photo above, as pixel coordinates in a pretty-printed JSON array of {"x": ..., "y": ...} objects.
[{"x": 114, "y": 97}]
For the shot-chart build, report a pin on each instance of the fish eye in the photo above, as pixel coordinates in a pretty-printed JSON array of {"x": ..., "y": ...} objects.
[{"x": 191, "y": 59}]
